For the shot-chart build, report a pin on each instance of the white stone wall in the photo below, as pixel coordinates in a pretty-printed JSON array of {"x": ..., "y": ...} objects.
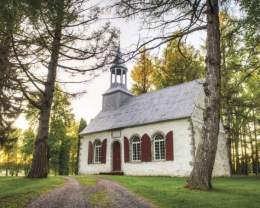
[
  {"x": 180, "y": 166},
  {"x": 86, "y": 168},
  {"x": 183, "y": 148}
]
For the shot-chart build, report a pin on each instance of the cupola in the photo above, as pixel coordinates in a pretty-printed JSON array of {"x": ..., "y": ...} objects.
[{"x": 117, "y": 94}]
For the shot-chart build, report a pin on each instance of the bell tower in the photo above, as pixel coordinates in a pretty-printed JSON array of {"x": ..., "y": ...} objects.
[
  {"x": 118, "y": 72},
  {"x": 118, "y": 93}
]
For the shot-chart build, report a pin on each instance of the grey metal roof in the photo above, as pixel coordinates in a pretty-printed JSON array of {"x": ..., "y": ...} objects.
[{"x": 167, "y": 104}]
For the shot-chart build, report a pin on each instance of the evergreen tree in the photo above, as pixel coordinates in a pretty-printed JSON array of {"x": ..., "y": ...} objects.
[{"x": 59, "y": 142}]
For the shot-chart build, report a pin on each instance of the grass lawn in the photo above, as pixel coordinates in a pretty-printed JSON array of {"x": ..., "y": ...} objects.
[
  {"x": 169, "y": 192},
  {"x": 86, "y": 180},
  {"x": 19, "y": 191}
]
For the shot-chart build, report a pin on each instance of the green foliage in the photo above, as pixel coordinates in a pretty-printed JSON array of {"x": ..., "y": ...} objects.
[
  {"x": 82, "y": 125},
  {"x": 87, "y": 180},
  {"x": 180, "y": 63},
  {"x": 240, "y": 90},
  {"x": 64, "y": 157},
  {"x": 59, "y": 140},
  {"x": 17, "y": 192},
  {"x": 236, "y": 192},
  {"x": 63, "y": 134}
]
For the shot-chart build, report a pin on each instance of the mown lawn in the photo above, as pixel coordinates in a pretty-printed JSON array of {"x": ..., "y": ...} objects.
[
  {"x": 17, "y": 192},
  {"x": 170, "y": 192}
]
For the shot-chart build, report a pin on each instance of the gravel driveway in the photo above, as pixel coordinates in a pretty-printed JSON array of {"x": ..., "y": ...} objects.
[
  {"x": 68, "y": 196},
  {"x": 73, "y": 195}
]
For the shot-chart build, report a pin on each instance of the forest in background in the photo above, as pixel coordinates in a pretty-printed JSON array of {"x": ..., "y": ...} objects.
[{"x": 16, "y": 154}]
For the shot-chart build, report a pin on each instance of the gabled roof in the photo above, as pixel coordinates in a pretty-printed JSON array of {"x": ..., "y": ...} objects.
[{"x": 167, "y": 104}]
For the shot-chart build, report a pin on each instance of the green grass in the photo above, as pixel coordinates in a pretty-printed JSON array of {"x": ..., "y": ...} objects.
[
  {"x": 99, "y": 199},
  {"x": 19, "y": 191},
  {"x": 237, "y": 192},
  {"x": 87, "y": 180}
]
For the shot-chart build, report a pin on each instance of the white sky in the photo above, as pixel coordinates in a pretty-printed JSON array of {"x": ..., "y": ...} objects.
[{"x": 89, "y": 104}]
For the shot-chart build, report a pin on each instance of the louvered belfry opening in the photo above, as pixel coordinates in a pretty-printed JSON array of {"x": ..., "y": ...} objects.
[{"x": 118, "y": 72}]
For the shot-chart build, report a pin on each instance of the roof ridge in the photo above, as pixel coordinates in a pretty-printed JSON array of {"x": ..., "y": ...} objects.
[
  {"x": 165, "y": 88},
  {"x": 136, "y": 111}
]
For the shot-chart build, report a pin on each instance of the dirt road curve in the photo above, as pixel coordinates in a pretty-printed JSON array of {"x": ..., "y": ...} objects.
[{"x": 73, "y": 195}]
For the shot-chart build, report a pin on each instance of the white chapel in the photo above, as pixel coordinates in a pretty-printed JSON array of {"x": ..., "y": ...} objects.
[{"x": 152, "y": 134}]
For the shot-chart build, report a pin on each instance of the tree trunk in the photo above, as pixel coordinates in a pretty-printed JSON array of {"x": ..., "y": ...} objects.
[
  {"x": 77, "y": 158},
  {"x": 256, "y": 143},
  {"x": 40, "y": 159},
  {"x": 201, "y": 174},
  {"x": 245, "y": 167},
  {"x": 229, "y": 136},
  {"x": 237, "y": 154},
  {"x": 252, "y": 148}
]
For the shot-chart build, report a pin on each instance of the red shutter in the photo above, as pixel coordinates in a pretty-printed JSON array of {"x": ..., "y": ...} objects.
[
  {"x": 103, "y": 151},
  {"x": 146, "y": 155},
  {"x": 169, "y": 146},
  {"x": 126, "y": 149},
  {"x": 90, "y": 152}
]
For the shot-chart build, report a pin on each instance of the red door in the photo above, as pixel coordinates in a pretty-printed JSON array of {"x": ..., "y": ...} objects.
[{"x": 116, "y": 156}]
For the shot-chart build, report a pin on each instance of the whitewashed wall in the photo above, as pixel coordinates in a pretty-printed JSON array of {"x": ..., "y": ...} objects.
[
  {"x": 183, "y": 148},
  {"x": 86, "y": 168},
  {"x": 180, "y": 166}
]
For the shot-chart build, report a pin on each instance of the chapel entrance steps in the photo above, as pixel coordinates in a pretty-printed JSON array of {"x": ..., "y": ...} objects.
[{"x": 112, "y": 173}]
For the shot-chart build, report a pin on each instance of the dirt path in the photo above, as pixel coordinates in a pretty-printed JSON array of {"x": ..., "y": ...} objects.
[
  {"x": 122, "y": 198},
  {"x": 68, "y": 196},
  {"x": 106, "y": 194}
]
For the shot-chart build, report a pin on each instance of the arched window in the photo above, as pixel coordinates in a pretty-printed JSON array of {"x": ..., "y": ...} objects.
[
  {"x": 136, "y": 148},
  {"x": 159, "y": 147},
  {"x": 97, "y": 151}
]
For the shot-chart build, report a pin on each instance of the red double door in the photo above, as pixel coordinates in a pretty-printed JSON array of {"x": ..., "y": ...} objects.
[{"x": 116, "y": 156}]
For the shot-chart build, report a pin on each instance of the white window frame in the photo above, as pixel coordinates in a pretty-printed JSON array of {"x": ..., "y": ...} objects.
[
  {"x": 97, "y": 147},
  {"x": 132, "y": 148},
  {"x": 160, "y": 140}
]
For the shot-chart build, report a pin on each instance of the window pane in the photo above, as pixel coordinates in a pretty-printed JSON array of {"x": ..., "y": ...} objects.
[
  {"x": 159, "y": 147},
  {"x": 97, "y": 154},
  {"x": 136, "y": 148}
]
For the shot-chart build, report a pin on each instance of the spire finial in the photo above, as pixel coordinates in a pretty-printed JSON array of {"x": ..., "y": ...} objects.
[{"x": 119, "y": 38}]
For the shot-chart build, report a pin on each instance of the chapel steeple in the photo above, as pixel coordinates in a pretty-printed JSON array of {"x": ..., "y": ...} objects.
[
  {"x": 118, "y": 72},
  {"x": 117, "y": 94}
]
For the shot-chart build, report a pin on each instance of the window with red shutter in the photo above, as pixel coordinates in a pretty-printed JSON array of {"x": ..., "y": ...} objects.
[
  {"x": 135, "y": 148},
  {"x": 90, "y": 152},
  {"x": 126, "y": 149},
  {"x": 169, "y": 146},
  {"x": 159, "y": 147},
  {"x": 104, "y": 151},
  {"x": 146, "y": 155}
]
